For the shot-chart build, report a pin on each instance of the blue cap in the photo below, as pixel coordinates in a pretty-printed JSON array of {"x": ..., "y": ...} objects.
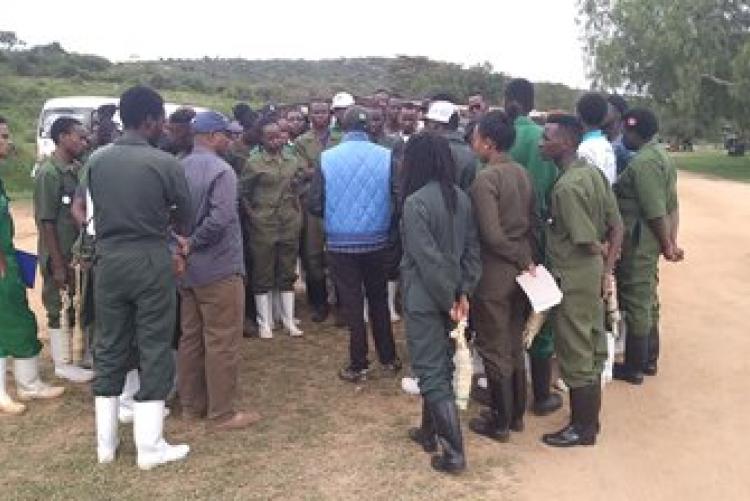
[{"x": 207, "y": 122}]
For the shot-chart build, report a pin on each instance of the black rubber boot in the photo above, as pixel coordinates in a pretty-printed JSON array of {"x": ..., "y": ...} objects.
[
  {"x": 448, "y": 430},
  {"x": 425, "y": 434},
  {"x": 585, "y": 404},
  {"x": 631, "y": 371},
  {"x": 496, "y": 423},
  {"x": 545, "y": 402},
  {"x": 519, "y": 399},
  {"x": 650, "y": 368}
]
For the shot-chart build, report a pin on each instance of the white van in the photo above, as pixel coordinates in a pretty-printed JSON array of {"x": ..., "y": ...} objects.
[{"x": 81, "y": 108}]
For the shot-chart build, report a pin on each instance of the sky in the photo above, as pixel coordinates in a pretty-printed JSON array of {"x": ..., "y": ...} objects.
[{"x": 535, "y": 39}]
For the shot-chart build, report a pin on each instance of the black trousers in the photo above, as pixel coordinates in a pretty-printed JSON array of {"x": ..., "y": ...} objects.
[{"x": 358, "y": 276}]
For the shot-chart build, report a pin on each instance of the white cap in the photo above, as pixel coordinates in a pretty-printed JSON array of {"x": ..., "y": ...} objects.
[
  {"x": 342, "y": 100},
  {"x": 440, "y": 111}
]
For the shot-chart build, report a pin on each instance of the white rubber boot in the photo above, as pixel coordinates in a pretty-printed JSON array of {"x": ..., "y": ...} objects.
[
  {"x": 59, "y": 342},
  {"x": 105, "y": 409},
  {"x": 7, "y": 404},
  {"x": 392, "y": 288},
  {"x": 287, "y": 314},
  {"x": 28, "y": 383},
  {"x": 125, "y": 400},
  {"x": 263, "y": 306},
  {"x": 148, "y": 429}
]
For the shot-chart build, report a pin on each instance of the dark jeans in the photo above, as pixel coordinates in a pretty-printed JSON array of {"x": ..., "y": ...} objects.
[{"x": 352, "y": 273}]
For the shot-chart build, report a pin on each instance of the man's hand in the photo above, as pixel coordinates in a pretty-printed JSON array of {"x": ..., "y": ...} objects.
[
  {"x": 179, "y": 265},
  {"x": 183, "y": 246},
  {"x": 673, "y": 253},
  {"x": 460, "y": 310},
  {"x": 3, "y": 266},
  {"x": 531, "y": 269}
]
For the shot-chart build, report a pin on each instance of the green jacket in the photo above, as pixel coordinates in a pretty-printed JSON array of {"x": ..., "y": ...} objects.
[
  {"x": 526, "y": 152},
  {"x": 646, "y": 189},
  {"x": 441, "y": 251},
  {"x": 55, "y": 185}
]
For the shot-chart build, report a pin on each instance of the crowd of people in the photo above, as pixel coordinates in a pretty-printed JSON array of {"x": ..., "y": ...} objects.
[{"x": 186, "y": 233}]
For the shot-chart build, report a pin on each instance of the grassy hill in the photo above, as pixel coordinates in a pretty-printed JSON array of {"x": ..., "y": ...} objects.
[{"x": 31, "y": 76}]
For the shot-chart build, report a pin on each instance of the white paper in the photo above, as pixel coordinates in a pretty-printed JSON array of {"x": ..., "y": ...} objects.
[{"x": 542, "y": 290}]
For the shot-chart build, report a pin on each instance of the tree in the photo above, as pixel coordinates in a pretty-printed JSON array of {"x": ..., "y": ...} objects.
[
  {"x": 9, "y": 40},
  {"x": 685, "y": 54}
]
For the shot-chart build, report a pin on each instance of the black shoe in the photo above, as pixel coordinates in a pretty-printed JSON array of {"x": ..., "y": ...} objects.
[
  {"x": 392, "y": 369},
  {"x": 650, "y": 369},
  {"x": 545, "y": 402},
  {"x": 320, "y": 314},
  {"x": 496, "y": 423},
  {"x": 425, "y": 434},
  {"x": 585, "y": 404},
  {"x": 352, "y": 375},
  {"x": 448, "y": 430}
]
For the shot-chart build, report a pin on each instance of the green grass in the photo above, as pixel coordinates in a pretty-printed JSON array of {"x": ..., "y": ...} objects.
[{"x": 716, "y": 164}]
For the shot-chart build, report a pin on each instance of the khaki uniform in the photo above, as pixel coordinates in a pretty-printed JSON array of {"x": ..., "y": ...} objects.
[
  {"x": 645, "y": 190},
  {"x": 582, "y": 205},
  {"x": 503, "y": 199},
  {"x": 54, "y": 188},
  {"x": 269, "y": 188},
  {"x": 137, "y": 190}
]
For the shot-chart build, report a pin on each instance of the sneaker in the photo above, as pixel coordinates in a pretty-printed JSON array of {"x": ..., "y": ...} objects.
[
  {"x": 352, "y": 375},
  {"x": 390, "y": 370}
]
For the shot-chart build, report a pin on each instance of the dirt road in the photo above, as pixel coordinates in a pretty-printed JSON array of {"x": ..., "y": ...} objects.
[{"x": 679, "y": 436}]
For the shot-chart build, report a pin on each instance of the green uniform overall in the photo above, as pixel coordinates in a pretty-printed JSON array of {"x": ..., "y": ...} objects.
[
  {"x": 645, "y": 190},
  {"x": 441, "y": 260},
  {"x": 543, "y": 173},
  {"x": 54, "y": 188},
  {"x": 270, "y": 194},
  {"x": 17, "y": 323},
  {"x": 582, "y": 205},
  {"x": 309, "y": 148},
  {"x": 137, "y": 190}
]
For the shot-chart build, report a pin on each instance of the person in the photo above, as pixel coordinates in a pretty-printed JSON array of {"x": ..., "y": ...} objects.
[
  {"x": 647, "y": 196},
  {"x": 592, "y": 110},
  {"x": 310, "y": 145},
  {"x": 443, "y": 118},
  {"x": 297, "y": 123},
  {"x": 376, "y": 129},
  {"x": 137, "y": 190},
  {"x": 583, "y": 235},
  {"x": 392, "y": 113},
  {"x": 341, "y": 102},
  {"x": 408, "y": 121},
  {"x": 354, "y": 192},
  {"x": 211, "y": 291},
  {"x": 477, "y": 107},
  {"x": 519, "y": 102},
  {"x": 105, "y": 130},
  {"x": 503, "y": 200},
  {"x": 18, "y": 336},
  {"x": 617, "y": 107},
  {"x": 179, "y": 137},
  {"x": 54, "y": 187},
  {"x": 440, "y": 269},
  {"x": 269, "y": 188}
]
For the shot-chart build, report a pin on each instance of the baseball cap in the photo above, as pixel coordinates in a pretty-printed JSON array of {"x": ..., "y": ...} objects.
[
  {"x": 342, "y": 100},
  {"x": 207, "y": 122},
  {"x": 440, "y": 111}
]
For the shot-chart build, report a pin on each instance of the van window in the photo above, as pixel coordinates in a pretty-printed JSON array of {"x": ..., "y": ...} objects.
[{"x": 49, "y": 116}]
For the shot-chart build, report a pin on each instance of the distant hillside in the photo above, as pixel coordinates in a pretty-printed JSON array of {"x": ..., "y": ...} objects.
[{"x": 30, "y": 76}]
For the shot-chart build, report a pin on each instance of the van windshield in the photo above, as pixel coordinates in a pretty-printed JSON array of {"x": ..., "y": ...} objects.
[{"x": 49, "y": 116}]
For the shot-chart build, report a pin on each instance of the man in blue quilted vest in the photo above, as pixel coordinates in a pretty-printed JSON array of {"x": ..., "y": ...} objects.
[{"x": 354, "y": 192}]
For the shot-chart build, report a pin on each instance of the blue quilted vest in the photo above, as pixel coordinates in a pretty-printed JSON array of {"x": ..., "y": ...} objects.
[{"x": 357, "y": 177}]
